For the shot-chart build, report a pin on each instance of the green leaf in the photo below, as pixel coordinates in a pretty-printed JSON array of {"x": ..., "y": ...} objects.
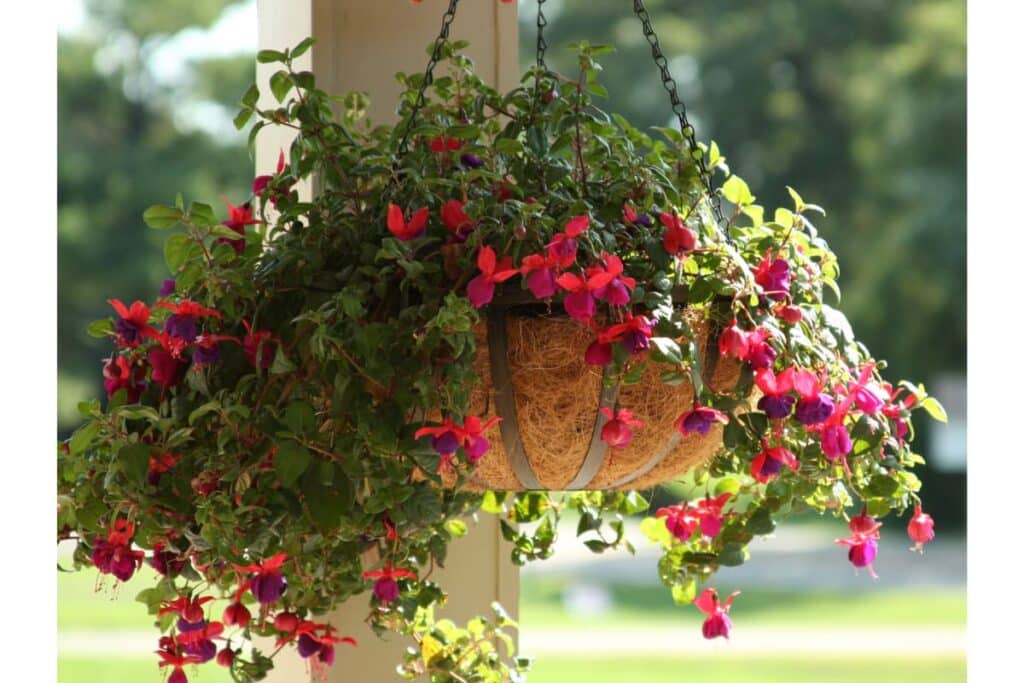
[
  {"x": 727, "y": 485},
  {"x": 242, "y": 118},
  {"x": 176, "y": 251},
  {"x": 291, "y": 461},
  {"x": 301, "y": 48},
  {"x": 134, "y": 460},
  {"x": 251, "y": 96},
  {"x": 456, "y": 527},
  {"x": 202, "y": 215},
  {"x": 300, "y": 417},
  {"x": 935, "y": 409},
  {"x": 281, "y": 365},
  {"x": 798, "y": 202},
  {"x": 82, "y": 437},
  {"x": 280, "y": 85},
  {"x": 100, "y": 328},
  {"x": 666, "y": 350},
  {"x": 160, "y": 217},
  {"x": 328, "y": 494},
  {"x": 684, "y": 593},
  {"x": 270, "y": 56},
  {"x": 736, "y": 190}
]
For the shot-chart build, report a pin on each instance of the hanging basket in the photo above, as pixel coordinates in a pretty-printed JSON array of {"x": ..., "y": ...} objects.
[{"x": 534, "y": 377}]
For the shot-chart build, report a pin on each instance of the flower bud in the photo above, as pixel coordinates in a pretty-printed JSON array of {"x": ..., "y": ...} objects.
[
  {"x": 286, "y": 622},
  {"x": 921, "y": 529},
  {"x": 733, "y": 342},
  {"x": 237, "y": 614},
  {"x": 226, "y": 657}
]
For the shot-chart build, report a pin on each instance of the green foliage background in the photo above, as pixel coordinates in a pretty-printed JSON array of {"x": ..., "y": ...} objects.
[{"x": 859, "y": 104}]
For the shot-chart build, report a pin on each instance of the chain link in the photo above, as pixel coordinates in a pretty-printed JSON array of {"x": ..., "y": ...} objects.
[
  {"x": 428, "y": 75},
  {"x": 678, "y": 108},
  {"x": 542, "y": 45}
]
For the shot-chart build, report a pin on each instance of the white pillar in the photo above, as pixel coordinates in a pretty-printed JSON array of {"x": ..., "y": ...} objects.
[{"x": 361, "y": 45}]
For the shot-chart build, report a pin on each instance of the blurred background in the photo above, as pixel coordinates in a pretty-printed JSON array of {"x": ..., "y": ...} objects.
[{"x": 858, "y": 104}]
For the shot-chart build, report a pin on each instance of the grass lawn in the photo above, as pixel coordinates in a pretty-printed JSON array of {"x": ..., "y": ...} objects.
[
  {"x": 748, "y": 670},
  {"x": 729, "y": 669}
]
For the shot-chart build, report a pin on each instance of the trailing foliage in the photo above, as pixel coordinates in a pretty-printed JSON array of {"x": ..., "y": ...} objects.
[{"x": 288, "y": 426}]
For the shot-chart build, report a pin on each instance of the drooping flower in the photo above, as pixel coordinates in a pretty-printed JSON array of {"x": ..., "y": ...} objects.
[
  {"x": 259, "y": 346},
  {"x": 920, "y": 529},
  {"x": 607, "y": 281},
  {"x": 680, "y": 519},
  {"x": 767, "y": 464},
  {"x": 576, "y": 226},
  {"x": 385, "y": 586},
  {"x": 863, "y": 544},
  {"x": 163, "y": 561},
  {"x": 678, "y": 239},
  {"x": 442, "y": 144},
  {"x": 168, "y": 287},
  {"x": 600, "y": 350},
  {"x": 199, "y": 642},
  {"x": 733, "y": 342},
  {"x": 121, "y": 372},
  {"x": 207, "y": 351},
  {"x": 446, "y": 438},
  {"x": 562, "y": 250},
  {"x": 718, "y": 622},
  {"x": 267, "y": 585},
  {"x": 773, "y": 276},
  {"x": 618, "y": 430},
  {"x": 114, "y": 554},
  {"x": 473, "y": 440},
  {"x": 835, "y": 440},
  {"x": 776, "y": 402},
  {"x": 699, "y": 419},
  {"x": 182, "y": 322},
  {"x": 168, "y": 370},
  {"x": 629, "y": 215},
  {"x": 237, "y": 614},
  {"x": 760, "y": 353},
  {"x": 709, "y": 511},
  {"x": 481, "y": 288},
  {"x": 415, "y": 228},
  {"x": 190, "y": 609},
  {"x": 226, "y": 657},
  {"x": 635, "y": 333},
  {"x": 455, "y": 219},
  {"x": 813, "y": 407},
  {"x": 579, "y": 300},
  {"x": 170, "y": 657},
  {"x": 132, "y": 324},
  {"x": 541, "y": 270},
  {"x": 790, "y": 314},
  {"x": 261, "y": 182},
  {"x": 238, "y": 218}
]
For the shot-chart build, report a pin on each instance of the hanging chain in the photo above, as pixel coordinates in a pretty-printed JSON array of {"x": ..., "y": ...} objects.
[
  {"x": 542, "y": 45},
  {"x": 428, "y": 75},
  {"x": 679, "y": 108}
]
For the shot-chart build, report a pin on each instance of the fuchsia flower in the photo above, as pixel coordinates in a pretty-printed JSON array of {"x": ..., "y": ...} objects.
[
  {"x": 133, "y": 323},
  {"x": 237, "y": 614},
  {"x": 120, "y": 372},
  {"x": 481, "y": 288},
  {"x": 835, "y": 440},
  {"x": 320, "y": 644},
  {"x": 718, "y": 622},
  {"x": 733, "y": 342},
  {"x": 699, "y": 419},
  {"x": 921, "y": 529},
  {"x": 576, "y": 226},
  {"x": 261, "y": 182},
  {"x": 773, "y": 276},
  {"x": 607, "y": 281},
  {"x": 542, "y": 274},
  {"x": 238, "y": 218},
  {"x": 415, "y": 228},
  {"x": 562, "y": 250},
  {"x": 760, "y": 353},
  {"x": 168, "y": 368},
  {"x": 678, "y": 239},
  {"x": 442, "y": 144},
  {"x": 168, "y": 287},
  {"x": 767, "y": 464},
  {"x": 114, "y": 555},
  {"x": 709, "y": 510},
  {"x": 182, "y": 322},
  {"x": 189, "y": 609},
  {"x": 863, "y": 543},
  {"x": 259, "y": 346},
  {"x": 777, "y": 402},
  {"x": 618, "y": 430},
  {"x": 629, "y": 215},
  {"x": 600, "y": 350},
  {"x": 385, "y": 588},
  {"x": 455, "y": 219},
  {"x": 198, "y": 642},
  {"x": 635, "y": 333},
  {"x": 813, "y": 407},
  {"x": 449, "y": 436},
  {"x": 579, "y": 301},
  {"x": 680, "y": 519},
  {"x": 178, "y": 661},
  {"x": 790, "y": 314},
  {"x": 267, "y": 585}
]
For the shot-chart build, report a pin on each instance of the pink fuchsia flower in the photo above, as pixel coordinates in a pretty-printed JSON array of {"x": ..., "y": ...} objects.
[
  {"x": 709, "y": 510},
  {"x": 442, "y": 144},
  {"x": 579, "y": 301},
  {"x": 455, "y": 219},
  {"x": 170, "y": 657},
  {"x": 447, "y": 437},
  {"x": 788, "y": 313},
  {"x": 777, "y": 402},
  {"x": 835, "y": 440},
  {"x": 718, "y": 622},
  {"x": 415, "y": 228},
  {"x": 541, "y": 270},
  {"x": 267, "y": 585},
  {"x": 121, "y": 372},
  {"x": 385, "y": 588},
  {"x": 617, "y": 432},
  {"x": 760, "y": 353},
  {"x": 481, "y": 288},
  {"x": 239, "y": 217},
  {"x": 678, "y": 239},
  {"x": 607, "y": 281},
  {"x": 576, "y": 226},
  {"x": 168, "y": 370},
  {"x": 600, "y": 350},
  {"x": 699, "y": 420},
  {"x": 114, "y": 555},
  {"x": 182, "y": 322},
  {"x": 259, "y": 346},
  {"x": 863, "y": 544},
  {"x": 261, "y": 182},
  {"x": 767, "y": 464},
  {"x": 773, "y": 276},
  {"x": 921, "y": 529},
  {"x": 635, "y": 333},
  {"x": 163, "y": 561},
  {"x": 207, "y": 351},
  {"x": 562, "y": 250},
  {"x": 132, "y": 324},
  {"x": 680, "y": 519},
  {"x": 813, "y": 407},
  {"x": 733, "y": 342},
  {"x": 629, "y": 215},
  {"x": 199, "y": 642}
]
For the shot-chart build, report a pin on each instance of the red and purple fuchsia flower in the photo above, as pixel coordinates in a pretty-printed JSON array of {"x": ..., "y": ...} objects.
[
  {"x": 773, "y": 276},
  {"x": 385, "y": 586},
  {"x": 123, "y": 372},
  {"x": 448, "y": 437},
  {"x": 617, "y": 432},
  {"x": 481, "y": 288},
  {"x": 863, "y": 544},
  {"x": 415, "y": 228},
  {"x": 770, "y": 461},
  {"x": 114, "y": 554},
  {"x": 455, "y": 220},
  {"x": 132, "y": 325},
  {"x": 267, "y": 584},
  {"x": 698, "y": 420},
  {"x": 239, "y": 217},
  {"x": 718, "y": 622},
  {"x": 678, "y": 239}
]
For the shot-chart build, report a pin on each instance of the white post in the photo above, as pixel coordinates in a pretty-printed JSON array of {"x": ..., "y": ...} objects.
[{"x": 361, "y": 45}]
